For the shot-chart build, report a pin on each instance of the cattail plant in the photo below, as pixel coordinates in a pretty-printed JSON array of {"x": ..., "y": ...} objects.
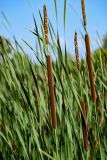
[
  {"x": 89, "y": 59},
  {"x": 84, "y": 125},
  {"x": 76, "y": 50},
  {"x": 90, "y": 69},
  {"x": 50, "y": 75}
]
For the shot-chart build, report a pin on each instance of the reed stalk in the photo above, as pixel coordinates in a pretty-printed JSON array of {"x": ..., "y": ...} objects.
[{"x": 89, "y": 59}]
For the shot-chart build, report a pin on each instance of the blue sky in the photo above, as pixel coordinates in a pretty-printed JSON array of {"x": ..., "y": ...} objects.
[{"x": 19, "y": 14}]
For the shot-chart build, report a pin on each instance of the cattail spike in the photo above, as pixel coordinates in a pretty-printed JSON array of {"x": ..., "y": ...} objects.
[
  {"x": 83, "y": 12},
  {"x": 51, "y": 91},
  {"x": 76, "y": 51},
  {"x": 45, "y": 24},
  {"x": 89, "y": 61}
]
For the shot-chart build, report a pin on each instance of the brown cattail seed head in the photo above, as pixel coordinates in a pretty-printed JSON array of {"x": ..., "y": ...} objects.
[
  {"x": 84, "y": 125},
  {"x": 89, "y": 61},
  {"x": 76, "y": 51},
  {"x": 83, "y": 12},
  {"x": 45, "y": 24},
  {"x": 51, "y": 91}
]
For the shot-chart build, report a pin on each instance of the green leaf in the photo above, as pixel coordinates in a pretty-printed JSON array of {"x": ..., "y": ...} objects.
[
  {"x": 56, "y": 12},
  {"x": 64, "y": 13}
]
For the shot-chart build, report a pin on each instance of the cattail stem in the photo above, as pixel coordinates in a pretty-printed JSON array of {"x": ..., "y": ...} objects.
[
  {"x": 89, "y": 61},
  {"x": 51, "y": 91},
  {"x": 76, "y": 51},
  {"x": 84, "y": 125}
]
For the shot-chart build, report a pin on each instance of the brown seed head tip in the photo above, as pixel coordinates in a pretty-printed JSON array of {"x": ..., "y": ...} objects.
[
  {"x": 75, "y": 38},
  {"x": 45, "y": 10},
  {"x": 75, "y": 33},
  {"x": 45, "y": 23},
  {"x": 44, "y": 6}
]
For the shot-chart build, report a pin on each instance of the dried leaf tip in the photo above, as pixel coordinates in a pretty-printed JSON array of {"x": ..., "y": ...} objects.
[{"x": 45, "y": 23}]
